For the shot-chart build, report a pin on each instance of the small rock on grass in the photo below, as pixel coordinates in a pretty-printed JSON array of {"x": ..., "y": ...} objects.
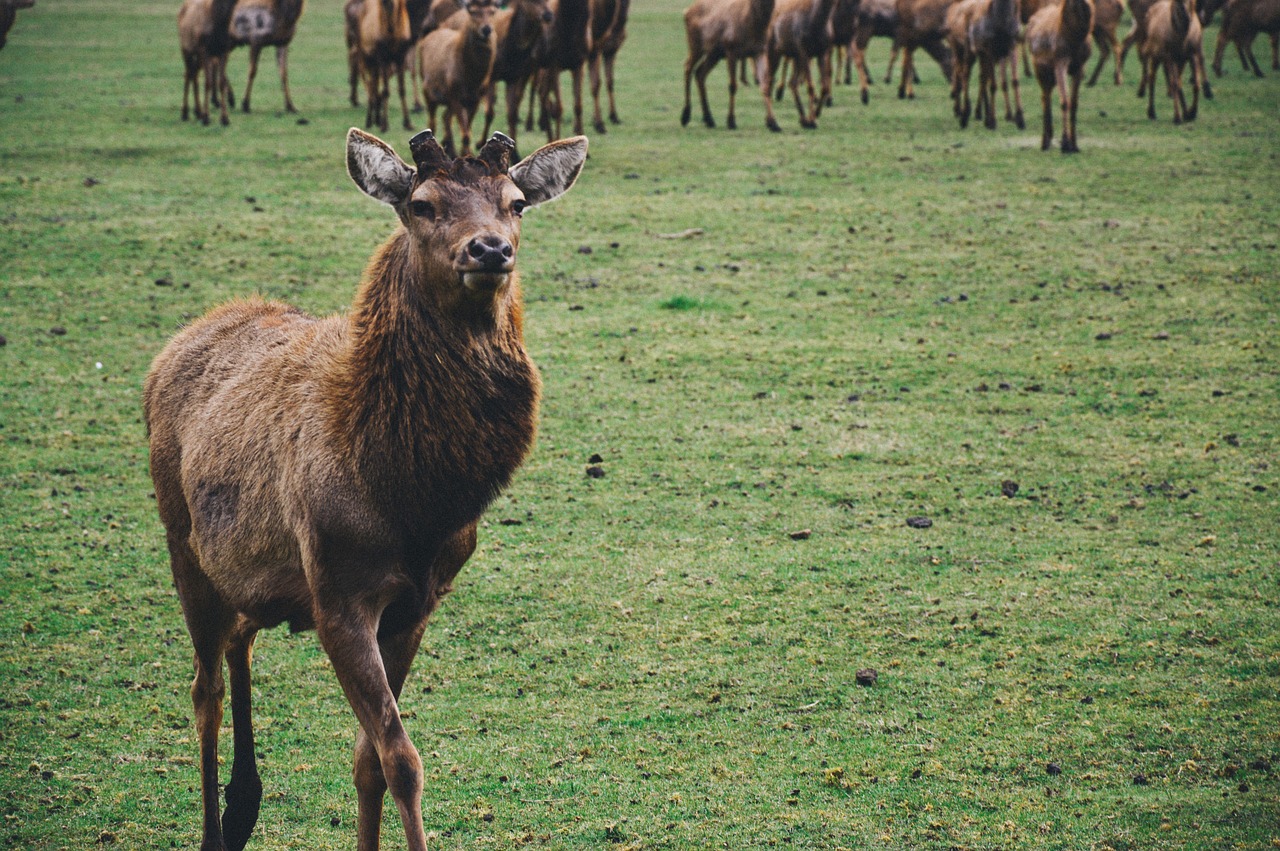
[
  {"x": 1009, "y": 488},
  {"x": 866, "y": 677},
  {"x": 919, "y": 522},
  {"x": 595, "y": 472},
  {"x": 801, "y": 535}
]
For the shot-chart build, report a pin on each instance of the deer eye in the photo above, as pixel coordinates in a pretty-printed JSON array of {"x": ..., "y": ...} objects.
[
  {"x": 423, "y": 209},
  {"x": 518, "y": 207}
]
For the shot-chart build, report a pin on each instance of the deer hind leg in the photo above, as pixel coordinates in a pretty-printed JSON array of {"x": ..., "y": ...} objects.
[
  {"x": 254, "y": 50},
  {"x": 407, "y": 122},
  {"x": 1046, "y": 108},
  {"x": 771, "y": 63},
  {"x": 609, "y": 60},
  {"x": 282, "y": 64},
  {"x": 905, "y": 88},
  {"x": 800, "y": 71},
  {"x": 1019, "y": 121},
  {"x": 210, "y": 622},
  {"x": 1069, "y": 93},
  {"x": 244, "y": 792},
  {"x": 594, "y": 72}
]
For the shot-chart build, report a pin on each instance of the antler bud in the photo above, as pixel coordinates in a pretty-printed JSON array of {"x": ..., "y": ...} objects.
[
  {"x": 497, "y": 152},
  {"x": 427, "y": 153}
]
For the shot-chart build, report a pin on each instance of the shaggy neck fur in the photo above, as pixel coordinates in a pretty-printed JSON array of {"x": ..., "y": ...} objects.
[{"x": 426, "y": 363}]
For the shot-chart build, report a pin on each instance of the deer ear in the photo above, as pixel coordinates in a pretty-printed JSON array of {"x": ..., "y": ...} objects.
[
  {"x": 376, "y": 169},
  {"x": 548, "y": 172}
]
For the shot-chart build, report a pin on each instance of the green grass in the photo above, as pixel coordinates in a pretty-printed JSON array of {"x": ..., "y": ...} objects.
[{"x": 886, "y": 318}]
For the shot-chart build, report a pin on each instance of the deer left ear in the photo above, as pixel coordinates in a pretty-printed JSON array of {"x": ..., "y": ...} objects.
[
  {"x": 376, "y": 169},
  {"x": 550, "y": 171}
]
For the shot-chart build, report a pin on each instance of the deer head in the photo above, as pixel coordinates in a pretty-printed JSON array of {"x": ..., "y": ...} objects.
[{"x": 463, "y": 215}]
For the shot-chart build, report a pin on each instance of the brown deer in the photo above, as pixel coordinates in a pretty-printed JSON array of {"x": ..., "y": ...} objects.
[
  {"x": 378, "y": 39},
  {"x": 1242, "y": 20},
  {"x": 1106, "y": 21},
  {"x": 567, "y": 49},
  {"x": 521, "y": 30},
  {"x": 733, "y": 30},
  {"x": 921, "y": 24},
  {"x": 608, "y": 32},
  {"x": 263, "y": 23},
  {"x": 456, "y": 65},
  {"x": 330, "y": 473},
  {"x": 8, "y": 12},
  {"x": 1172, "y": 41},
  {"x": 880, "y": 18},
  {"x": 800, "y": 31},
  {"x": 985, "y": 32},
  {"x": 1059, "y": 40},
  {"x": 205, "y": 40}
]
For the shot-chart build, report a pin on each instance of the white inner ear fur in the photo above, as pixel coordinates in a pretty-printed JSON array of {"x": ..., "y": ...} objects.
[
  {"x": 376, "y": 169},
  {"x": 550, "y": 171}
]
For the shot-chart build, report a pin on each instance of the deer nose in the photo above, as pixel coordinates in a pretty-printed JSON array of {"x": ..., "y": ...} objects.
[
  {"x": 490, "y": 253},
  {"x": 486, "y": 31},
  {"x": 547, "y": 17}
]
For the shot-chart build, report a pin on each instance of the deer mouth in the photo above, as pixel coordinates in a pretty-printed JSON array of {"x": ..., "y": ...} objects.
[{"x": 483, "y": 282}]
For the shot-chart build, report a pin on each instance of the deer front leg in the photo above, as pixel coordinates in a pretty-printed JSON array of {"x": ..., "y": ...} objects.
[
  {"x": 385, "y": 758},
  {"x": 282, "y": 65}
]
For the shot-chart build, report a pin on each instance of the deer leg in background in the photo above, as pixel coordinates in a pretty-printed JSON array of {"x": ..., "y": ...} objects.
[
  {"x": 254, "y": 50},
  {"x": 1104, "y": 50},
  {"x": 908, "y": 71},
  {"x": 1009, "y": 69},
  {"x": 244, "y": 792},
  {"x": 404, "y": 103},
  {"x": 1064, "y": 97},
  {"x": 593, "y": 73},
  {"x": 282, "y": 63},
  {"x": 609, "y": 61},
  {"x": 771, "y": 63},
  {"x": 1046, "y": 110},
  {"x": 731, "y": 121}
]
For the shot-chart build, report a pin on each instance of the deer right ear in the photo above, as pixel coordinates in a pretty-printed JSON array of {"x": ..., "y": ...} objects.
[
  {"x": 376, "y": 169},
  {"x": 548, "y": 172}
]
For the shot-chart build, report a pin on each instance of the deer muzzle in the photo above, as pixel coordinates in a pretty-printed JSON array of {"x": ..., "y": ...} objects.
[{"x": 486, "y": 262}]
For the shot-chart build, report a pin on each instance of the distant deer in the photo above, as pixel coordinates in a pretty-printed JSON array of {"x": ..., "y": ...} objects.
[
  {"x": 1242, "y": 20},
  {"x": 985, "y": 32},
  {"x": 921, "y": 24},
  {"x": 608, "y": 32},
  {"x": 568, "y": 49},
  {"x": 1059, "y": 40},
  {"x": 330, "y": 473},
  {"x": 800, "y": 31},
  {"x": 262, "y": 23},
  {"x": 9, "y": 11},
  {"x": 1172, "y": 42},
  {"x": 205, "y": 40},
  {"x": 521, "y": 30},
  {"x": 733, "y": 30},
  {"x": 1106, "y": 21},
  {"x": 880, "y": 18},
  {"x": 378, "y": 39},
  {"x": 456, "y": 66}
]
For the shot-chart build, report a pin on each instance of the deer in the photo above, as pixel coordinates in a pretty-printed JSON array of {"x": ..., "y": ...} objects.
[
  {"x": 800, "y": 30},
  {"x": 608, "y": 32},
  {"x": 1242, "y": 20},
  {"x": 733, "y": 30},
  {"x": 1172, "y": 40},
  {"x": 330, "y": 473},
  {"x": 921, "y": 24},
  {"x": 880, "y": 18},
  {"x": 205, "y": 40},
  {"x": 1106, "y": 21},
  {"x": 986, "y": 32},
  {"x": 456, "y": 66},
  {"x": 263, "y": 23},
  {"x": 8, "y": 12},
  {"x": 1058, "y": 38},
  {"x": 379, "y": 37},
  {"x": 521, "y": 30},
  {"x": 567, "y": 49}
]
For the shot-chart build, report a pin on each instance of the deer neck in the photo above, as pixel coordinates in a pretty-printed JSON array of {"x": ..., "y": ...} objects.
[{"x": 423, "y": 382}]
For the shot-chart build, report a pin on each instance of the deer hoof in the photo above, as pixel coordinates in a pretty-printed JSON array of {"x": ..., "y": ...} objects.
[
  {"x": 865, "y": 97},
  {"x": 684, "y": 117},
  {"x": 731, "y": 123},
  {"x": 773, "y": 125}
]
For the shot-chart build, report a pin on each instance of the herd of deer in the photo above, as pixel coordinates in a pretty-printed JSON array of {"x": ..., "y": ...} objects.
[
  {"x": 456, "y": 52},
  {"x": 1057, "y": 38}
]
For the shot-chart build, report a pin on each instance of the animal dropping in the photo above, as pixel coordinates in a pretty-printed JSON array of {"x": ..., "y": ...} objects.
[{"x": 330, "y": 473}]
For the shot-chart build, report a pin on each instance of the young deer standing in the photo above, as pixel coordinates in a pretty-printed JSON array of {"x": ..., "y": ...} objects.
[
  {"x": 330, "y": 472},
  {"x": 1058, "y": 38},
  {"x": 733, "y": 30},
  {"x": 456, "y": 66}
]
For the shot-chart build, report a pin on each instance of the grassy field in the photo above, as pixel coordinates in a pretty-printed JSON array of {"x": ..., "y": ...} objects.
[{"x": 1067, "y": 364}]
